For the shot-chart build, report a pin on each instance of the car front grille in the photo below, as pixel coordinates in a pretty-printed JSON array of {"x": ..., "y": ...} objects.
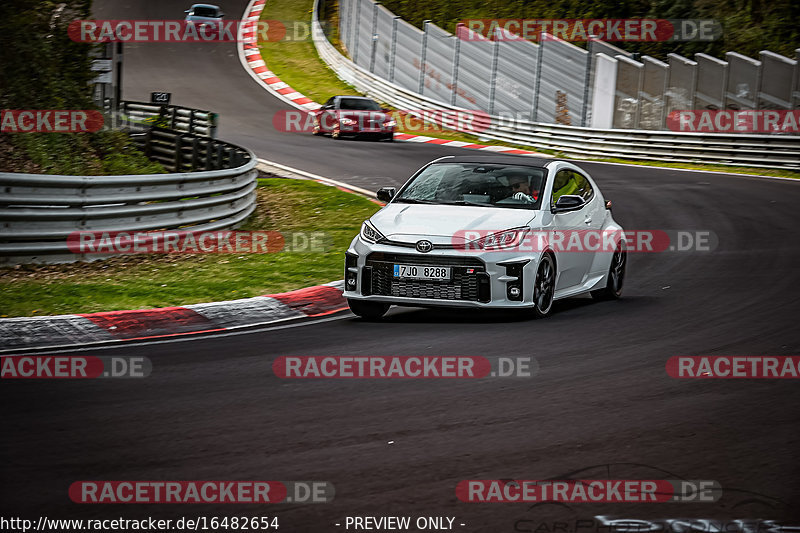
[{"x": 463, "y": 285}]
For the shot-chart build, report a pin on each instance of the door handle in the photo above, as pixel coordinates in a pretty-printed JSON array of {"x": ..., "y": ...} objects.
[{"x": 587, "y": 220}]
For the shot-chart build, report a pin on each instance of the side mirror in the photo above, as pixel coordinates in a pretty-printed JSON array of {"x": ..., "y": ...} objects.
[
  {"x": 221, "y": 15},
  {"x": 568, "y": 202},
  {"x": 608, "y": 205},
  {"x": 386, "y": 194},
  {"x": 188, "y": 11}
]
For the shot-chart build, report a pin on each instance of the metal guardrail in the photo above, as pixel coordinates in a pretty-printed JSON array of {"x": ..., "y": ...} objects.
[
  {"x": 38, "y": 212},
  {"x": 139, "y": 116},
  {"x": 764, "y": 151}
]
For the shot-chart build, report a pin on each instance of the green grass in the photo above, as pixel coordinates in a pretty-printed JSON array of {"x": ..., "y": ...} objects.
[
  {"x": 104, "y": 153},
  {"x": 296, "y": 62},
  {"x": 147, "y": 281}
]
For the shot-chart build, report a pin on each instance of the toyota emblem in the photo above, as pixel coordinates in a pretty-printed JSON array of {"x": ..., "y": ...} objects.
[{"x": 424, "y": 246}]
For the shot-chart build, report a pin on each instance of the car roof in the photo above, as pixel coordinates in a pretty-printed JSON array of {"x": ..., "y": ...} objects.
[
  {"x": 539, "y": 162},
  {"x": 211, "y": 6},
  {"x": 353, "y": 97}
]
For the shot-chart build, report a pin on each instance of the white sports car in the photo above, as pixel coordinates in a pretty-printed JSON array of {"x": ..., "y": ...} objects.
[{"x": 487, "y": 232}]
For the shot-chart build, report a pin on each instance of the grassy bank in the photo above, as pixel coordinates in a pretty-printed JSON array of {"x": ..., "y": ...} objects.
[{"x": 146, "y": 281}]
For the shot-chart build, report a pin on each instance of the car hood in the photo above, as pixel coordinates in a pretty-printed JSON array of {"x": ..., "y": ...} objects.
[{"x": 445, "y": 223}]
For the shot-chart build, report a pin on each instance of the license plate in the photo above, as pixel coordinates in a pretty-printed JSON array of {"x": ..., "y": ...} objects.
[{"x": 421, "y": 272}]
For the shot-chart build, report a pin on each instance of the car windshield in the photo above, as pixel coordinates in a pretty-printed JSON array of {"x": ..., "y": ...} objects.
[
  {"x": 205, "y": 12},
  {"x": 358, "y": 104},
  {"x": 480, "y": 184}
]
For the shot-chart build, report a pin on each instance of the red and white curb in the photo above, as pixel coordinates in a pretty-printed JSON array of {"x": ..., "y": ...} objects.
[
  {"x": 110, "y": 326},
  {"x": 253, "y": 63}
]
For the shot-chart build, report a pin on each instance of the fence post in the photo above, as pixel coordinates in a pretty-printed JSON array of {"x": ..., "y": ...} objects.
[
  {"x": 374, "y": 36},
  {"x": 586, "y": 81},
  {"x": 537, "y": 83},
  {"x": 493, "y": 75},
  {"x": 354, "y": 52},
  {"x": 393, "y": 50},
  {"x": 191, "y": 121},
  {"x": 456, "y": 55},
  {"x": 422, "y": 56}
]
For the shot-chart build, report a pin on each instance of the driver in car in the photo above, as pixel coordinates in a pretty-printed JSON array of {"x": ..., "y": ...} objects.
[{"x": 519, "y": 184}]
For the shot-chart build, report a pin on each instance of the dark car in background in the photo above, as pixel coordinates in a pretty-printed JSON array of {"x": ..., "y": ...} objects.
[{"x": 353, "y": 116}]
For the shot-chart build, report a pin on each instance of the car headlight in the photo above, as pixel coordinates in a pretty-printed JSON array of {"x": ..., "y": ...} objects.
[
  {"x": 390, "y": 123},
  {"x": 500, "y": 240},
  {"x": 348, "y": 121},
  {"x": 369, "y": 233}
]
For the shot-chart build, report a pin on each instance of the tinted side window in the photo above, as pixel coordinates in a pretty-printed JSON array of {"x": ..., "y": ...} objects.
[
  {"x": 565, "y": 182},
  {"x": 584, "y": 188}
]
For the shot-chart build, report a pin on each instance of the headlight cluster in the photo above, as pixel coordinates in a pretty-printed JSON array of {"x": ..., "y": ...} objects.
[
  {"x": 348, "y": 121},
  {"x": 390, "y": 123},
  {"x": 500, "y": 240},
  {"x": 370, "y": 234}
]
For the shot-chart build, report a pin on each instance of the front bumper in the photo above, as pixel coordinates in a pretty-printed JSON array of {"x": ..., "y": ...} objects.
[{"x": 478, "y": 279}]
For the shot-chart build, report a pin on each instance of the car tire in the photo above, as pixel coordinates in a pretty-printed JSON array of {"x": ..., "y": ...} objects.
[
  {"x": 544, "y": 287},
  {"x": 616, "y": 277},
  {"x": 336, "y": 133},
  {"x": 367, "y": 310},
  {"x": 389, "y": 138}
]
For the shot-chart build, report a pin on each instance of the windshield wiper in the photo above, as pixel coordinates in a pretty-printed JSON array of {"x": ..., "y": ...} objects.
[
  {"x": 413, "y": 201},
  {"x": 466, "y": 202}
]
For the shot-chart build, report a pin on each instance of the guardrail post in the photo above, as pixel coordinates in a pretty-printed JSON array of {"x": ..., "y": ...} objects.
[
  {"x": 213, "y": 118},
  {"x": 422, "y": 65},
  {"x": 209, "y": 154},
  {"x": 220, "y": 156},
  {"x": 148, "y": 140},
  {"x": 174, "y": 111},
  {"x": 195, "y": 153},
  {"x": 178, "y": 153},
  {"x": 191, "y": 121}
]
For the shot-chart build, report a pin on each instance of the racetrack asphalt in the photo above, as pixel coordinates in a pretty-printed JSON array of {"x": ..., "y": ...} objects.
[{"x": 602, "y": 403}]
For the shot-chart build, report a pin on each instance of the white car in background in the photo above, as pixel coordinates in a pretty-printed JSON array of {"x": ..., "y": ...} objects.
[
  {"x": 467, "y": 232},
  {"x": 204, "y": 15}
]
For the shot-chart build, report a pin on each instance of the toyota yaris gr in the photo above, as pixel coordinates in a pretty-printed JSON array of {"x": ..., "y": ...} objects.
[{"x": 487, "y": 232}]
